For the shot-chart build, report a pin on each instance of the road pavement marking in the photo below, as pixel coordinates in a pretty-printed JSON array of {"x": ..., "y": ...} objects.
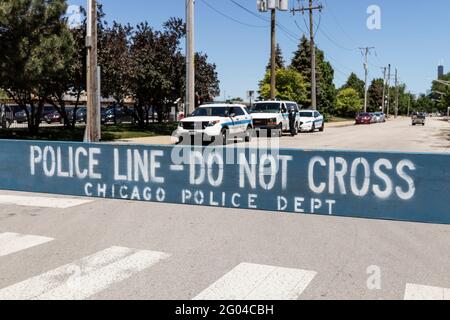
[
  {"x": 14, "y": 242},
  {"x": 419, "y": 292},
  {"x": 259, "y": 282},
  {"x": 44, "y": 202},
  {"x": 82, "y": 279}
]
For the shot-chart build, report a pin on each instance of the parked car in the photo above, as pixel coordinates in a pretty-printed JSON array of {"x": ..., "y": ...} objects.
[
  {"x": 118, "y": 115},
  {"x": 273, "y": 116},
  {"x": 310, "y": 120},
  {"x": 21, "y": 116},
  {"x": 364, "y": 118},
  {"x": 53, "y": 117},
  {"x": 379, "y": 117},
  {"x": 216, "y": 123},
  {"x": 46, "y": 112},
  {"x": 418, "y": 118},
  {"x": 81, "y": 115}
]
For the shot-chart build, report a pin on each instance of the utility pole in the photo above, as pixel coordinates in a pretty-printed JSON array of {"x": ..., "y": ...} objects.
[
  {"x": 396, "y": 93},
  {"x": 93, "y": 96},
  {"x": 189, "y": 102},
  {"x": 389, "y": 90},
  {"x": 311, "y": 9},
  {"x": 273, "y": 52},
  {"x": 409, "y": 103},
  {"x": 383, "y": 103},
  {"x": 272, "y": 6},
  {"x": 366, "y": 52}
]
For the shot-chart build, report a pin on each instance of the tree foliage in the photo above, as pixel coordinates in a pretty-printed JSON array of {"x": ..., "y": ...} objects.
[
  {"x": 42, "y": 61},
  {"x": 348, "y": 102},
  {"x": 326, "y": 90},
  {"x": 36, "y": 51},
  {"x": 279, "y": 60},
  {"x": 290, "y": 85},
  {"x": 375, "y": 95},
  {"x": 356, "y": 83}
]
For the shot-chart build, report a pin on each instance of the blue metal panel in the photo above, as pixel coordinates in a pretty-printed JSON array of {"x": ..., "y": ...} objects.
[{"x": 394, "y": 186}]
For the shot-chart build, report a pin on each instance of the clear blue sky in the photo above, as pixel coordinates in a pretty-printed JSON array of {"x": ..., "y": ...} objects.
[{"x": 414, "y": 36}]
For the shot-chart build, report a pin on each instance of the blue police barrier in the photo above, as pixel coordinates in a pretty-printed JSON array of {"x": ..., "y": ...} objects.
[{"x": 394, "y": 186}]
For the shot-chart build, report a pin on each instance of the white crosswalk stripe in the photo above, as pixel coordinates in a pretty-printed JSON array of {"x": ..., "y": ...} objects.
[
  {"x": 43, "y": 202},
  {"x": 15, "y": 242},
  {"x": 420, "y": 292},
  {"x": 259, "y": 282},
  {"x": 82, "y": 279}
]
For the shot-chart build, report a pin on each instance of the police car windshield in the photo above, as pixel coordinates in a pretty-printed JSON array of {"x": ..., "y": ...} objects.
[
  {"x": 266, "y": 108},
  {"x": 211, "y": 112},
  {"x": 306, "y": 114}
]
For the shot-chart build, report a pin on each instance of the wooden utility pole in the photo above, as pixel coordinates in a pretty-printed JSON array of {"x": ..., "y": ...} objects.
[
  {"x": 311, "y": 9},
  {"x": 396, "y": 93},
  {"x": 366, "y": 52},
  {"x": 383, "y": 103},
  {"x": 409, "y": 103},
  {"x": 93, "y": 96},
  {"x": 389, "y": 91},
  {"x": 190, "y": 59},
  {"x": 273, "y": 52}
]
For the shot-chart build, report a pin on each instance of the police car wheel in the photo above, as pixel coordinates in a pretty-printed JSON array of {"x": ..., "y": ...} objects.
[
  {"x": 322, "y": 128},
  {"x": 313, "y": 128}
]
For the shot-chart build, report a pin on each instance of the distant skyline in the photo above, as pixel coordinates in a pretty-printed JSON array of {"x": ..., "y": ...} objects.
[{"x": 412, "y": 37}]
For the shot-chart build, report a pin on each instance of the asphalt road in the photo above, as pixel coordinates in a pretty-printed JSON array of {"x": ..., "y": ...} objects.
[
  {"x": 394, "y": 135},
  {"x": 109, "y": 249}
]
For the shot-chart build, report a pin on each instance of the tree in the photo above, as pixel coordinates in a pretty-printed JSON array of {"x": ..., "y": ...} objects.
[
  {"x": 290, "y": 86},
  {"x": 206, "y": 78},
  {"x": 375, "y": 95},
  {"x": 356, "y": 83},
  {"x": 114, "y": 59},
  {"x": 78, "y": 69},
  {"x": 279, "y": 60},
  {"x": 348, "y": 102},
  {"x": 36, "y": 50},
  {"x": 326, "y": 90},
  {"x": 441, "y": 93},
  {"x": 423, "y": 104}
]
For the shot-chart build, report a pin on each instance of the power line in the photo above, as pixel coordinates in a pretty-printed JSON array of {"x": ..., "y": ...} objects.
[
  {"x": 293, "y": 36},
  {"x": 229, "y": 17},
  {"x": 335, "y": 42},
  {"x": 250, "y": 11},
  {"x": 338, "y": 24},
  {"x": 280, "y": 26}
]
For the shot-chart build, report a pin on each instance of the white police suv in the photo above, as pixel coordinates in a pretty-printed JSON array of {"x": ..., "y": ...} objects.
[
  {"x": 273, "y": 116},
  {"x": 216, "y": 123},
  {"x": 311, "y": 120}
]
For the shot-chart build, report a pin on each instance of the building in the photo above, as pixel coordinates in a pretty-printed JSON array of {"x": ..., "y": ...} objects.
[{"x": 440, "y": 72}]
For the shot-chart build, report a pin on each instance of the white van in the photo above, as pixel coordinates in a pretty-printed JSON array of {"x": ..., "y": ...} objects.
[{"x": 273, "y": 116}]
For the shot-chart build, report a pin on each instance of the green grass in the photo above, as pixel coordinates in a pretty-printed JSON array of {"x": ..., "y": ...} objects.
[{"x": 109, "y": 133}]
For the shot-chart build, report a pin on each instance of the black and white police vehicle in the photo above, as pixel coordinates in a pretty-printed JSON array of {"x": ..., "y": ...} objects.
[{"x": 216, "y": 123}]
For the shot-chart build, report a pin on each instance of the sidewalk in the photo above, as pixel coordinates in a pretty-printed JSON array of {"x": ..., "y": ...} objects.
[{"x": 157, "y": 140}]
